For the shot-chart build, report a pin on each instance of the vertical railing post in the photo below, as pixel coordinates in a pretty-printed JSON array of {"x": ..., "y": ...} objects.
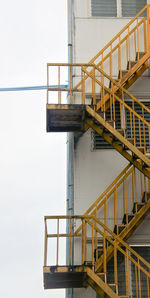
[
  {"x": 45, "y": 244},
  {"x": 110, "y": 63},
  {"x": 93, "y": 244},
  {"x": 47, "y": 82},
  {"x": 70, "y": 248},
  {"x": 70, "y": 68},
  {"x": 115, "y": 265},
  {"x": 57, "y": 256},
  {"x": 83, "y": 86},
  {"x": 138, "y": 56},
  {"x": 148, "y": 37},
  {"x": 93, "y": 87},
  {"x": 129, "y": 49},
  {"x": 59, "y": 92}
]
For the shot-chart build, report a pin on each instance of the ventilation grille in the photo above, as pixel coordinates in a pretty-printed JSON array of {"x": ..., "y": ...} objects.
[
  {"x": 98, "y": 141},
  {"x": 131, "y": 7},
  {"x": 104, "y": 8},
  {"x": 144, "y": 129}
]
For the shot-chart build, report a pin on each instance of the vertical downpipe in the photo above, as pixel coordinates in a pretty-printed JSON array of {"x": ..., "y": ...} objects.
[{"x": 70, "y": 149}]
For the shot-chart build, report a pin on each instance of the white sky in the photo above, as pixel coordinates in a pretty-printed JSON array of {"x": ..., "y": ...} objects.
[{"x": 32, "y": 162}]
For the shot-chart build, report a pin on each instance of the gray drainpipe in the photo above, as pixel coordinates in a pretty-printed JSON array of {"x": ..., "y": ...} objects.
[{"x": 70, "y": 148}]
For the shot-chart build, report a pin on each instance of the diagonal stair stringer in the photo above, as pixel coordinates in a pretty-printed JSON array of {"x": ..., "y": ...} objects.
[
  {"x": 98, "y": 284},
  {"x": 136, "y": 154}
]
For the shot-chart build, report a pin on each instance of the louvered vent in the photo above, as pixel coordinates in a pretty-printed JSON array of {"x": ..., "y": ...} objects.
[
  {"x": 144, "y": 129},
  {"x": 103, "y": 8},
  {"x": 98, "y": 141},
  {"x": 131, "y": 7},
  {"x": 145, "y": 253}
]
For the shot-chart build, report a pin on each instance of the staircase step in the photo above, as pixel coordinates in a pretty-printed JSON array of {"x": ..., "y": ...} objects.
[
  {"x": 116, "y": 80},
  {"x": 146, "y": 196},
  {"x": 137, "y": 207},
  {"x": 111, "y": 122},
  {"x": 88, "y": 263},
  {"x": 141, "y": 54},
  {"x": 121, "y": 131},
  {"x": 127, "y": 218},
  {"x": 141, "y": 149},
  {"x": 98, "y": 252},
  {"x": 114, "y": 287},
  {"x": 103, "y": 276},
  {"x": 132, "y": 64},
  {"x": 131, "y": 140},
  {"x": 123, "y": 72},
  {"x": 118, "y": 229}
]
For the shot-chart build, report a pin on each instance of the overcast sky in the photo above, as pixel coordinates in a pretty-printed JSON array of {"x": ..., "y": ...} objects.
[{"x": 32, "y": 162}]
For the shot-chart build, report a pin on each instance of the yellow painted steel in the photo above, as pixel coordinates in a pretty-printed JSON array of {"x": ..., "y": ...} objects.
[{"x": 111, "y": 242}]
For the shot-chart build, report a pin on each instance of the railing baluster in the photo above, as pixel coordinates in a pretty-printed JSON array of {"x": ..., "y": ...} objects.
[
  {"x": 83, "y": 87},
  {"x": 138, "y": 40},
  {"x": 143, "y": 128},
  {"x": 129, "y": 49},
  {"x": 145, "y": 39},
  {"x": 141, "y": 181},
  {"x": 119, "y": 59},
  {"x": 70, "y": 248},
  {"x": 135, "y": 185},
  {"x": 57, "y": 256},
  {"x": 136, "y": 282},
  {"x": 139, "y": 280},
  {"x": 104, "y": 252},
  {"x": 47, "y": 83},
  {"x": 93, "y": 245},
  {"x": 59, "y": 92},
  {"x": 45, "y": 244},
  {"x": 115, "y": 265},
  {"x": 134, "y": 123},
  {"x": 93, "y": 88},
  {"x": 110, "y": 60},
  {"x": 131, "y": 124},
  {"x": 148, "y": 289},
  {"x": 148, "y": 37},
  {"x": 132, "y": 189},
  {"x": 135, "y": 42},
  {"x": 140, "y": 132}
]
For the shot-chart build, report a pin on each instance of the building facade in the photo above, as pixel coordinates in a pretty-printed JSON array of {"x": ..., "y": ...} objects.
[{"x": 108, "y": 156}]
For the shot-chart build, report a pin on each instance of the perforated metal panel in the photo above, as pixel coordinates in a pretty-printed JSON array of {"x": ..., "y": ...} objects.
[
  {"x": 131, "y": 7},
  {"x": 103, "y": 8}
]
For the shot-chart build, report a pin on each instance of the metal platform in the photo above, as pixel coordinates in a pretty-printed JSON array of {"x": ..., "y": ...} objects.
[
  {"x": 65, "y": 118},
  {"x": 56, "y": 277}
]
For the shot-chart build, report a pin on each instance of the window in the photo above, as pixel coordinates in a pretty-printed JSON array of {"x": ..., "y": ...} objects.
[
  {"x": 115, "y": 8},
  {"x": 131, "y": 7},
  {"x": 103, "y": 8}
]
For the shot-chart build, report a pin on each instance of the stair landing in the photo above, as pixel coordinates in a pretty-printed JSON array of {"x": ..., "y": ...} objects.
[
  {"x": 56, "y": 277},
  {"x": 65, "y": 118}
]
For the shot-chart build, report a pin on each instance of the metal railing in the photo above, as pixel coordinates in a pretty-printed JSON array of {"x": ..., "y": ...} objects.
[
  {"x": 92, "y": 231},
  {"x": 125, "y": 46},
  {"x": 128, "y": 188}
]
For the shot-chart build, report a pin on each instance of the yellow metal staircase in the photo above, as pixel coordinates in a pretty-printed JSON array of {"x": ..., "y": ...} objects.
[
  {"x": 98, "y": 98},
  {"x": 104, "y": 282}
]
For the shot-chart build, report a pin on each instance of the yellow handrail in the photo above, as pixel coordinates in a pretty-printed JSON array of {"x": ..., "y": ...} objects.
[{"x": 112, "y": 244}]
